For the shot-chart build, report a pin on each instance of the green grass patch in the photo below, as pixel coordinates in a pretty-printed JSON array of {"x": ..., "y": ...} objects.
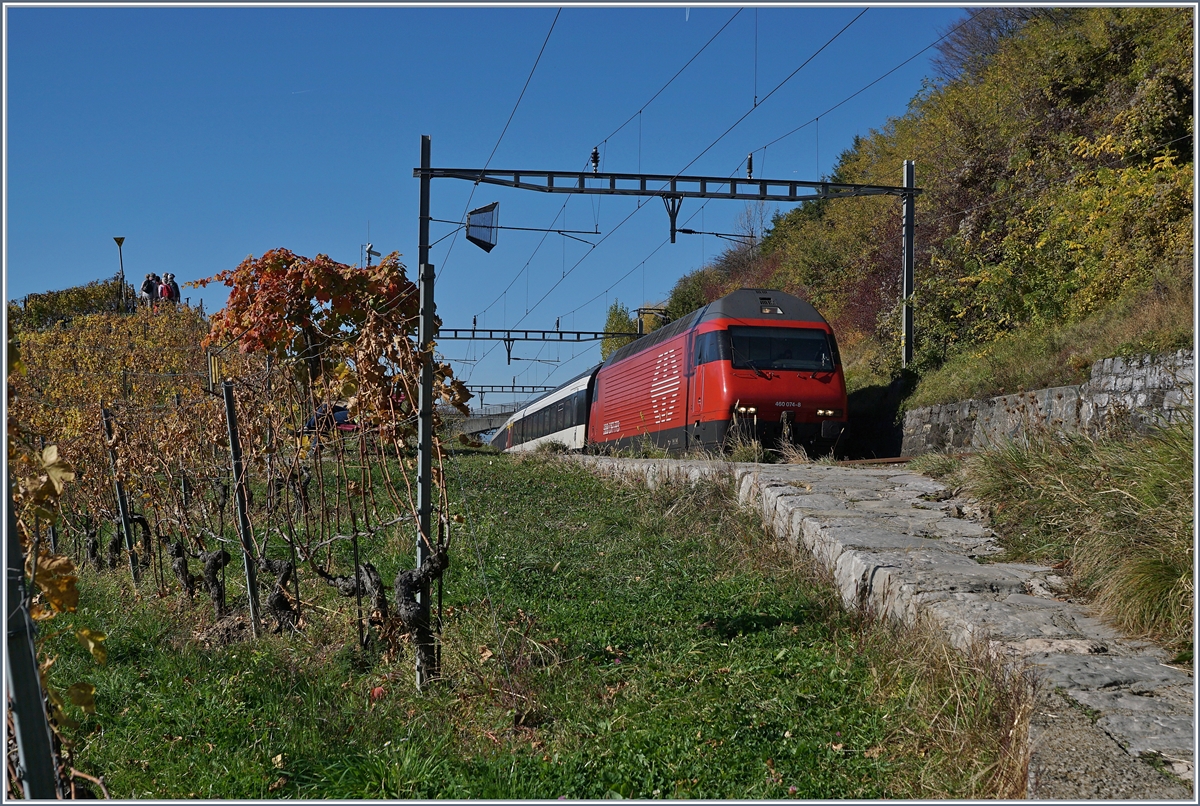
[
  {"x": 598, "y": 639},
  {"x": 1117, "y": 508}
]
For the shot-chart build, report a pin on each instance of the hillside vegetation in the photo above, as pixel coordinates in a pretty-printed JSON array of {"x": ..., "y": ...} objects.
[{"x": 1054, "y": 223}]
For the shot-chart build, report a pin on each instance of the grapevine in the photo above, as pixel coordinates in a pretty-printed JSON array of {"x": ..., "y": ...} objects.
[{"x": 299, "y": 339}]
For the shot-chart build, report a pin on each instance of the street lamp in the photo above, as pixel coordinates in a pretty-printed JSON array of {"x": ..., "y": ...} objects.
[{"x": 122, "y": 259}]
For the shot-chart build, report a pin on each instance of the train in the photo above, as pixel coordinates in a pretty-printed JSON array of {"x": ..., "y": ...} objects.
[{"x": 755, "y": 364}]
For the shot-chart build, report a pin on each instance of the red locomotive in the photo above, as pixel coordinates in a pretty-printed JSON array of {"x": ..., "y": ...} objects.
[
  {"x": 756, "y": 362},
  {"x": 761, "y": 361}
]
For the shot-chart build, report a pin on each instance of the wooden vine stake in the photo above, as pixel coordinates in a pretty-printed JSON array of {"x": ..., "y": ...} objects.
[
  {"x": 239, "y": 486},
  {"x": 122, "y": 505}
]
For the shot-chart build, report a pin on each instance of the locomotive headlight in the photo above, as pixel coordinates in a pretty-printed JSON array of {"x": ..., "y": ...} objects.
[
  {"x": 741, "y": 409},
  {"x": 829, "y": 412},
  {"x": 752, "y": 410}
]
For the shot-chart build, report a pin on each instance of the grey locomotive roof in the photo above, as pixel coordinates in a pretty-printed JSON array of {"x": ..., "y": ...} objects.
[{"x": 745, "y": 303}]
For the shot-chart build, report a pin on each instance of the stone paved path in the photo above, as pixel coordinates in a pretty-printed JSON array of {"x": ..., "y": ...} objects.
[{"x": 1113, "y": 712}]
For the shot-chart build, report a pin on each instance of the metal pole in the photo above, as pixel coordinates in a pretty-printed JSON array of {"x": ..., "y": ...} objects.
[
  {"x": 239, "y": 487},
  {"x": 35, "y": 748},
  {"x": 122, "y": 505},
  {"x": 909, "y": 202},
  {"x": 270, "y": 431},
  {"x": 426, "y": 656},
  {"x": 121, "y": 257}
]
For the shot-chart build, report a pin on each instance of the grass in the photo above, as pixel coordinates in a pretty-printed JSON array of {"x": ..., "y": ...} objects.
[
  {"x": 1040, "y": 356},
  {"x": 599, "y": 639},
  {"x": 746, "y": 449},
  {"x": 1116, "y": 510},
  {"x": 947, "y": 466}
]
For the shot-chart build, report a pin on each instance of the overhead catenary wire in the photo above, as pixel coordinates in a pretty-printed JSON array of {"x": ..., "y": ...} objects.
[
  {"x": 568, "y": 272},
  {"x": 503, "y": 131},
  {"x": 775, "y": 89},
  {"x": 671, "y": 80},
  {"x": 817, "y": 118},
  {"x": 603, "y": 142}
]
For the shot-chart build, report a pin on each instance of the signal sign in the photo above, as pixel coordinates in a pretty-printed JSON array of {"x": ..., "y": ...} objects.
[{"x": 482, "y": 224}]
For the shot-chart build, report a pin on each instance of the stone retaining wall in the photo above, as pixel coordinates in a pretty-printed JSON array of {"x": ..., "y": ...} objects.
[{"x": 1147, "y": 390}]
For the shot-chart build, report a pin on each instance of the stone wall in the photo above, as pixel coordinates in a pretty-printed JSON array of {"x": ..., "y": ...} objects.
[{"x": 1148, "y": 390}]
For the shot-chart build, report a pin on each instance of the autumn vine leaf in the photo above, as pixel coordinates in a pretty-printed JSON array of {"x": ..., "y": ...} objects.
[{"x": 93, "y": 642}]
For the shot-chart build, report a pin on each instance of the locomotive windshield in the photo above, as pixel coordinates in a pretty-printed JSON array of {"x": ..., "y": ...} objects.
[{"x": 782, "y": 348}]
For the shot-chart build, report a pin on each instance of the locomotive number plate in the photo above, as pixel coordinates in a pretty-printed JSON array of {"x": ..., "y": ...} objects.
[{"x": 787, "y": 404}]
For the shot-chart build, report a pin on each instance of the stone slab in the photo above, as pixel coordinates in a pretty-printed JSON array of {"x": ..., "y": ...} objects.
[
  {"x": 1118, "y": 700},
  {"x": 1150, "y": 733},
  {"x": 1136, "y": 672}
]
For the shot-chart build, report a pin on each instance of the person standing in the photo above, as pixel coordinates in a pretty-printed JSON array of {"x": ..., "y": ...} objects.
[
  {"x": 174, "y": 288},
  {"x": 149, "y": 289}
]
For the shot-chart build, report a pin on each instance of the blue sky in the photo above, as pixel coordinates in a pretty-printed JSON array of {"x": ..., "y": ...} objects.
[{"x": 203, "y": 135}]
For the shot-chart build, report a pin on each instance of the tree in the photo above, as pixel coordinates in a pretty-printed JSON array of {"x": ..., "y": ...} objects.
[
  {"x": 689, "y": 293},
  {"x": 619, "y": 321},
  {"x": 289, "y": 305},
  {"x": 970, "y": 44}
]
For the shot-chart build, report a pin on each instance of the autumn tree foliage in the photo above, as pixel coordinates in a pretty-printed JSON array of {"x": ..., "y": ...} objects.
[
  {"x": 147, "y": 368},
  {"x": 1054, "y": 155},
  {"x": 298, "y": 337},
  {"x": 351, "y": 328}
]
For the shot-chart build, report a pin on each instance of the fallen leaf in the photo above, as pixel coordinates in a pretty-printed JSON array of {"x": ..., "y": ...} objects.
[
  {"x": 485, "y": 654},
  {"x": 279, "y": 784},
  {"x": 874, "y": 752},
  {"x": 278, "y": 761}
]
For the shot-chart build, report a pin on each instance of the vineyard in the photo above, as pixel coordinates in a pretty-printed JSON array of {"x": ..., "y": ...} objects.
[{"x": 241, "y": 460}]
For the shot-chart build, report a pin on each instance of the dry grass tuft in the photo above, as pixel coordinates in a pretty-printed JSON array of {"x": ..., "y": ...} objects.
[
  {"x": 976, "y": 708},
  {"x": 1159, "y": 320},
  {"x": 793, "y": 454}
]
